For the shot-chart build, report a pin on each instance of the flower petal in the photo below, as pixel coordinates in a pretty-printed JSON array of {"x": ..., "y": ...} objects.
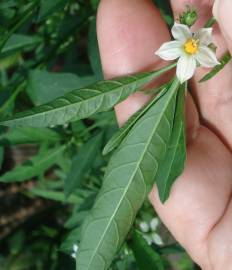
[
  {"x": 206, "y": 57},
  {"x": 186, "y": 67},
  {"x": 204, "y": 35},
  {"x": 181, "y": 32},
  {"x": 170, "y": 50}
]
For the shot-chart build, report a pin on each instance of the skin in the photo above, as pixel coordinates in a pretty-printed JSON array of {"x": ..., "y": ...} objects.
[{"x": 199, "y": 210}]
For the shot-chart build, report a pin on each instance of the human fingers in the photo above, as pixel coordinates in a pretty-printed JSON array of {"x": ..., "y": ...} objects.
[
  {"x": 129, "y": 32},
  {"x": 222, "y": 11}
]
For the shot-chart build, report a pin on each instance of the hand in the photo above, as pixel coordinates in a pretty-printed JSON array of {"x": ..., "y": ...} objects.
[{"x": 199, "y": 210}]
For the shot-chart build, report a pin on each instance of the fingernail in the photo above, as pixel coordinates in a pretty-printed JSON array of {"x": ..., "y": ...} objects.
[{"x": 215, "y": 8}]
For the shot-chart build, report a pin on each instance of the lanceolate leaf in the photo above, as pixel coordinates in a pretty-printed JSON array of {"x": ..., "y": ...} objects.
[
  {"x": 33, "y": 167},
  {"x": 145, "y": 255},
  {"x": 25, "y": 135},
  {"x": 56, "y": 196},
  {"x": 82, "y": 162},
  {"x": 122, "y": 132},
  {"x": 83, "y": 102},
  {"x": 175, "y": 158},
  {"x": 225, "y": 60},
  {"x": 128, "y": 180},
  {"x": 18, "y": 42},
  {"x": 93, "y": 50}
]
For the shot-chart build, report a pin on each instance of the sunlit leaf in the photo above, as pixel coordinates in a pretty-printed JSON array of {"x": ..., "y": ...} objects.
[{"x": 129, "y": 178}]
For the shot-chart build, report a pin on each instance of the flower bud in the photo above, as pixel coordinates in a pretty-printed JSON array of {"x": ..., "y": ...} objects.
[{"x": 189, "y": 17}]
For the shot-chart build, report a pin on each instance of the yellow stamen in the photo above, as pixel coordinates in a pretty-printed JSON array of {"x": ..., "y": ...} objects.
[{"x": 191, "y": 46}]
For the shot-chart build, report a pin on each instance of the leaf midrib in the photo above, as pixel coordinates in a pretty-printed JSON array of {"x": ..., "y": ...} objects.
[
  {"x": 173, "y": 88},
  {"x": 151, "y": 75},
  {"x": 115, "y": 89}
]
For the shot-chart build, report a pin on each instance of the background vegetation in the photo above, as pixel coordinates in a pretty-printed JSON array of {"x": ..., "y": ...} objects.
[{"x": 49, "y": 48}]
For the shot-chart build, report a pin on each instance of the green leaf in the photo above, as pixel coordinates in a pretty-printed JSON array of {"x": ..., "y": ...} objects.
[
  {"x": 76, "y": 219},
  {"x": 84, "y": 102},
  {"x": 1, "y": 156},
  {"x": 175, "y": 158},
  {"x": 93, "y": 50},
  {"x": 129, "y": 178},
  {"x": 95, "y": 4},
  {"x": 170, "y": 249},
  {"x": 44, "y": 86},
  {"x": 17, "y": 42},
  {"x": 26, "y": 135},
  {"x": 122, "y": 132},
  {"x": 224, "y": 61},
  {"x": 33, "y": 167},
  {"x": 6, "y": 34},
  {"x": 70, "y": 240},
  {"x": 146, "y": 257},
  {"x": 49, "y": 7},
  {"x": 55, "y": 196},
  {"x": 81, "y": 163}
]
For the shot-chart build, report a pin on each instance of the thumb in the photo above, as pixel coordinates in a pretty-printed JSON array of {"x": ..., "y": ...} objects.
[{"x": 222, "y": 12}]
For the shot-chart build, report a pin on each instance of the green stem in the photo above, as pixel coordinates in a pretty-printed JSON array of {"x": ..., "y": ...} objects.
[{"x": 210, "y": 22}]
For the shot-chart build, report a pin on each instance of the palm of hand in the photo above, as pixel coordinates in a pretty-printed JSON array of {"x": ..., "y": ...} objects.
[{"x": 199, "y": 210}]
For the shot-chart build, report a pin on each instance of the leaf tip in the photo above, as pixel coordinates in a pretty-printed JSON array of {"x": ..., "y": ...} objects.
[{"x": 105, "y": 150}]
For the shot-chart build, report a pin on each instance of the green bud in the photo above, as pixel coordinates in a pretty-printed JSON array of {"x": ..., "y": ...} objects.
[{"x": 189, "y": 17}]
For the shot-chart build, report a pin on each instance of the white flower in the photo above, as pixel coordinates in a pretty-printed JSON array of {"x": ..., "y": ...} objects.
[
  {"x": 191, "y": 49},
  {"x": 154, "y": 224},
  {"x": 157, "y": 239},
  {"x": 144, "y": 226}
]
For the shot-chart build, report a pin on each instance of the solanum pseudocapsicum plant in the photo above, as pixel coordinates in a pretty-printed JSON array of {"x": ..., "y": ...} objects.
[{"x": 150, "y": 148}]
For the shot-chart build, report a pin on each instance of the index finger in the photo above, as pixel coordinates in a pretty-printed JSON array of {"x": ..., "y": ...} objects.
[{"x": 129, "y": 32}]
